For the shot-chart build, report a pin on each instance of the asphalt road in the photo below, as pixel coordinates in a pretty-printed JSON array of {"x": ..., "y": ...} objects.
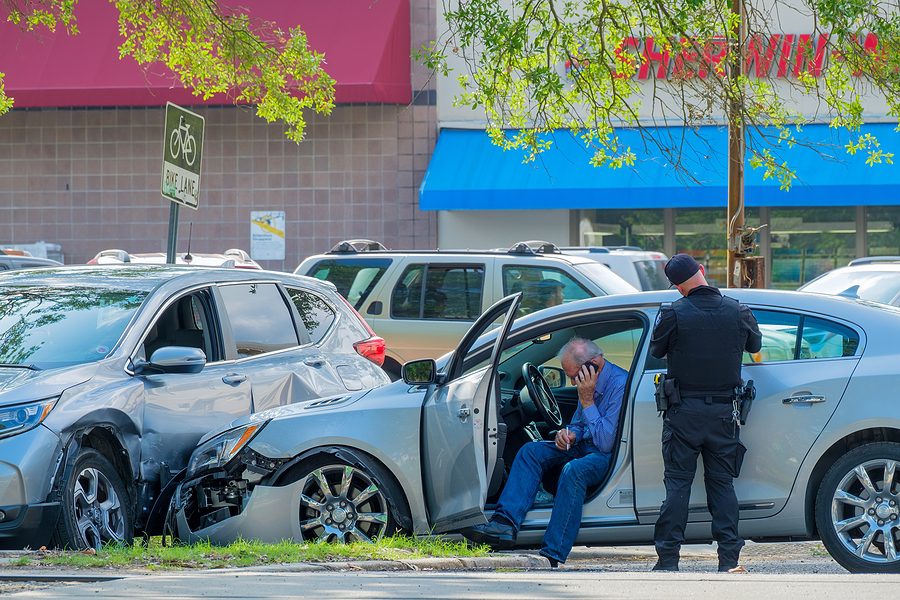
[{"x": 776, "y": 571}]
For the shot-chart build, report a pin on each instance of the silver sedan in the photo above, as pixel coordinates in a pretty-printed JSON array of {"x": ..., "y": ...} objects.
[{"x": 429, "y": 453}]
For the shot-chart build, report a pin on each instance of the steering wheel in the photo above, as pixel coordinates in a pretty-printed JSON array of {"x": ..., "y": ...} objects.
[{"x": 542, "y": 395}]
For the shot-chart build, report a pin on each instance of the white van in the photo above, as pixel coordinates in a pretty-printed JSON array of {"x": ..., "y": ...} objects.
[{"x": 643, "y": 269}]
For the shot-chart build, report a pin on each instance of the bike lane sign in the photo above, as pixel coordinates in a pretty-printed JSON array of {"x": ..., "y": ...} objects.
[{"x": 182, "y": 154}]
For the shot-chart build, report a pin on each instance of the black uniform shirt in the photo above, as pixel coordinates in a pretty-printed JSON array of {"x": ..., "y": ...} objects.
[{"x": 665, "y": 332}]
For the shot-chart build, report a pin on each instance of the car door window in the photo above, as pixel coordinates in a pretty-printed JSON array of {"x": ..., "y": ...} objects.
[
  {"x": 827, "y": 339},
  {"x": 184, "y": 322},
  {"x": 260, "y": 319},
  {"x": 446, "y": 292},
  {"x": 541, "y": 287},
  {"x": 790, "y": 336},
  {"x": 355, "y": 278},
  {"x": 316, "y": 314}
]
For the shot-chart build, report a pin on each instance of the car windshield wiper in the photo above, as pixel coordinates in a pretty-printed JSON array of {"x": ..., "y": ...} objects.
[{"x": 17, "y": 366}]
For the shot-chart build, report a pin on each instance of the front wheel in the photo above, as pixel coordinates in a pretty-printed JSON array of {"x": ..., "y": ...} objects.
[
  {"x": 94, "y": 506},
  {"x": 858, "y": 509},
  {"x": 348, "y": 499}
]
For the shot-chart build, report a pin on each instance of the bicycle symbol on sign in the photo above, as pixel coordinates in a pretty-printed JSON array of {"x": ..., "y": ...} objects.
[{"x": 182, "y": 143}]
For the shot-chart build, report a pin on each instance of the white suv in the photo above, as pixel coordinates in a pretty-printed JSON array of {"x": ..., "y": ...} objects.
[
  {"x": 423, "y": 301},
  {"x": 643, "y": 269}
]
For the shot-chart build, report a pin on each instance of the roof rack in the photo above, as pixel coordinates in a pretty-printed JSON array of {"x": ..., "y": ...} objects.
[
  {"x": 356, "y": 246},
  {"x": 868, "y": 260},
  {"x": 534, "y": 247}
]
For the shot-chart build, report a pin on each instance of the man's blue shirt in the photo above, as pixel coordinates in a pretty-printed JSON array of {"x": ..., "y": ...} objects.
[{"x": 598, "y": 424}]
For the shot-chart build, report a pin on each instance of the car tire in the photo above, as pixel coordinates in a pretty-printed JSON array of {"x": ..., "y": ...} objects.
[
  {"x": 363, "y": 501},
  {"x": 95, "y": 507},
  {"x": 858, "y": 509}
]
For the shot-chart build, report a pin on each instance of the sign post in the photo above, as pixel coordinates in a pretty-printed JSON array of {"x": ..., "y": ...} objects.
[{"x": 182, "y": 156}]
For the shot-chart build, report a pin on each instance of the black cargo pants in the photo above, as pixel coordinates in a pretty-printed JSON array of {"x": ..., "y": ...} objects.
[{"x": 700, "y": 426}]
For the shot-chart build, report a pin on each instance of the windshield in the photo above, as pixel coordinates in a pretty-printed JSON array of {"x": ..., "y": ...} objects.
[
  {"x": 604, "y": 277},
  {"x": 51, "y": 327},
  {"x": 652, "y": 274},
  {"x": 876, "y": 286}
]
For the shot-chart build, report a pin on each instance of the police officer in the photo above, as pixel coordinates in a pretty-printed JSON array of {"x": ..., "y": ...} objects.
[{"x": 703, "y": 335}]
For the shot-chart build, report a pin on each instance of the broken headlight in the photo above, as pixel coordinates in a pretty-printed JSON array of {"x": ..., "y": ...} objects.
[{"x": 218, "y": 451}]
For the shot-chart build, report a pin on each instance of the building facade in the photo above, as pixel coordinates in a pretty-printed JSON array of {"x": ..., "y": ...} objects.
[
  {"x": 81, "y": 152},
  {"x": 839, "y": 208}
]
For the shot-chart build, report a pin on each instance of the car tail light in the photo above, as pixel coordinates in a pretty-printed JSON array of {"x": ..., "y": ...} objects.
[{"x": 372, "y": 347}]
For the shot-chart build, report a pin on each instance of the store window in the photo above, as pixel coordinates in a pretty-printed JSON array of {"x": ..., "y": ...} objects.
[
  {"x": 643, "y": 228},
  {"x": 807, "y": 242},
  {"x": 702, "y": 233},
  {"x": 883, "y": 230}
]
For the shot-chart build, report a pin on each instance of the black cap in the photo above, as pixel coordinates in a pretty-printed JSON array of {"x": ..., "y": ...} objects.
[{"x": 680, "y": 268}]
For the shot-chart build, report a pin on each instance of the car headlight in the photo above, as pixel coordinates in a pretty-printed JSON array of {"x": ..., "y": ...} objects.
[
  {"x": 22, "y": 417},
  {"x": 216, "y": 452}
]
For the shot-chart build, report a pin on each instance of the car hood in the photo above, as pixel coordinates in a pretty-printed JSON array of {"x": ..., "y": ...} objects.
[
  {"x": 385, "y": 394},
  {"x": 24, "y": 385}
]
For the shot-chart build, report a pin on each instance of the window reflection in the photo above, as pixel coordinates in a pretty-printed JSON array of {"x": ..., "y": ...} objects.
[{"x": 52, "y": 327}]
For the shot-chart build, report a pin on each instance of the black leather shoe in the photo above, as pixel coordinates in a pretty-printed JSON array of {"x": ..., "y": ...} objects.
[
  {"x": 665, "y": 566},
  {"x": 493, "y": 533},
  {"x": 554, "y": 564}
]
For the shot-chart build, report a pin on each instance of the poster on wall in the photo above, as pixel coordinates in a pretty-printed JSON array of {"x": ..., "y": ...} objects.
[{"x": 267, "y": 234}]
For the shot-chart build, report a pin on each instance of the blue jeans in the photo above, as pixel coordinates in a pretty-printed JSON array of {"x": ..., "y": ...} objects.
[{"x": 585, "y": 466}]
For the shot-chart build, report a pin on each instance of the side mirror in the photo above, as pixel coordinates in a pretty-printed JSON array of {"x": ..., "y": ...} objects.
[
  {"x": 554, "y": 376},
  {"x": 419, "y": 372},
  {"x": 178, "y": 359}
]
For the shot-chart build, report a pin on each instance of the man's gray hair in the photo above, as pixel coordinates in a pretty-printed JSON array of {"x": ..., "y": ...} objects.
[{"x": 580, "y": 349}]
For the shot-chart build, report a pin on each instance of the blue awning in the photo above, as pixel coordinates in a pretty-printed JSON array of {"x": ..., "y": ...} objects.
[{"x": 467, "y": 172}]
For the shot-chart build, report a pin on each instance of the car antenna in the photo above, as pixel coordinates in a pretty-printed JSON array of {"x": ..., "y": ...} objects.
[{"x": 187, "y": 255}]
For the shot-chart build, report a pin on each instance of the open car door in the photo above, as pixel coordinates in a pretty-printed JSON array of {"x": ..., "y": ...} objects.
[{"x": 460, "y": 428}]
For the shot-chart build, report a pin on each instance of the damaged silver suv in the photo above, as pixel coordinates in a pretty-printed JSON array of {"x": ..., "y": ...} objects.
[{"x": 109, "y": 375}]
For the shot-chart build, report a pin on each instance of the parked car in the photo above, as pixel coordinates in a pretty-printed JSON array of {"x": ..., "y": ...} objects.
[
  {"x": 429, "y": 454},
  {"x": 874, "y": 278},
  {"x": 110, "y": 375},
  {"x": 423, "y": 301},
  {"x": 17, "y": 259},
  {"x": 233, "y": 257},
  {"x": 643, "y": 269}
]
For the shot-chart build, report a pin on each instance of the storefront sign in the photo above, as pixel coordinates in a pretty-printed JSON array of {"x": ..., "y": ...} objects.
[
  {"x": 267, "y": 235},
  {"x": 778, "y": 55}
]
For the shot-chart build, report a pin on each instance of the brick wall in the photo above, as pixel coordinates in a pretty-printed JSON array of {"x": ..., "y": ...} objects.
[{"x": 88, "y": 179}]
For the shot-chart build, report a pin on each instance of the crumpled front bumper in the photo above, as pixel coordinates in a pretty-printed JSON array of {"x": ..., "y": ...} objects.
[{"x": 272, "y": 514}]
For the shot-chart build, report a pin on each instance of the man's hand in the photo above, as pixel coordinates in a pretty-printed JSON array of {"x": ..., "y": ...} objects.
[
  {"x": 565, "y": 439},
  {"x": 586, "y": 382}
]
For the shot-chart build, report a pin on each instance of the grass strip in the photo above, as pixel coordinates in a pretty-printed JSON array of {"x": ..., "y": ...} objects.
[{"x": 153, "y": 555}]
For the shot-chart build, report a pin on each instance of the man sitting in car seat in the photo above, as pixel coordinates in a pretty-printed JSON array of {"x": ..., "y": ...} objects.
[{"x": 584, "y": 448}]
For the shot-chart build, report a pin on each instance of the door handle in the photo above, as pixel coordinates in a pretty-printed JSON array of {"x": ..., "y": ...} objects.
[
  {"x": 804, "y": 398},
  {"x": 315, "y": 361},
  {"x": 463, "y": 413},
  {"x": 234, "y": 379}
]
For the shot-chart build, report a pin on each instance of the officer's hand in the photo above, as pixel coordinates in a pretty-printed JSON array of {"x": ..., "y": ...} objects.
[
  {"x": 586, "y": 382},
  {"x": 565, "y": 439}
]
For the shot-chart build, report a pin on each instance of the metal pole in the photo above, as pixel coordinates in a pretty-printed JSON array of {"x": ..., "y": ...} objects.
[
  {"x": 736, "y": 149},
  {"x": 173, "y": 233}
]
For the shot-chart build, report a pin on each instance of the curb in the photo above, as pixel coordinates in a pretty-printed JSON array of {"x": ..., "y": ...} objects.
[{"x": 483, "y": 563}]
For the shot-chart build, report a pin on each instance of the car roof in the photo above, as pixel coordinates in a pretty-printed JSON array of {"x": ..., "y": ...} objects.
[
  {"x": 828, "y": 305},
  {"x": 231, "y": 257},
  {"x": 532, "y": 249},
  {"x": 148, "y": 277}
]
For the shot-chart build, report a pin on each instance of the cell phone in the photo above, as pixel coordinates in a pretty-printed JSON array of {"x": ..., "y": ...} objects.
[{"x": 590, "y": 365}]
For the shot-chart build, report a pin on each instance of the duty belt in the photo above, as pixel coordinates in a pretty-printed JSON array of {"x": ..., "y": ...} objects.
[{"x": 717, "y": 396}]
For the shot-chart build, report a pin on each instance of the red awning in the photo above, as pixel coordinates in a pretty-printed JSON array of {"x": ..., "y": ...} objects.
[{"x": 366, "y": 46}]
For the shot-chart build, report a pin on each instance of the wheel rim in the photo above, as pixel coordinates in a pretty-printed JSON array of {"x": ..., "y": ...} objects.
[
  {"x": 99, "y": 515},
  {"x": 341, "y": 503},
  {"x": 865, "y": 511}
]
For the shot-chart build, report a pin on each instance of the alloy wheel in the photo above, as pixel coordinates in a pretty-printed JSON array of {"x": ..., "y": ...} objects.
[
  {"x": 342, "y": 503},
  {"x": 865, "y": 511},
  {"x": 99, "y": 514}
]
